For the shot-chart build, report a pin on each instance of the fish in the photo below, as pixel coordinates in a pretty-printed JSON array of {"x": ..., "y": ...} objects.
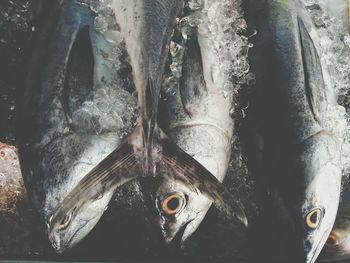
[
  {"x": 147, "y": 151},
  {"x": 297, "y": 154},
  {"x": 66, "y": 126},
  {"x": 199, "y": 121},
  {"x": 337, "y": 246}
]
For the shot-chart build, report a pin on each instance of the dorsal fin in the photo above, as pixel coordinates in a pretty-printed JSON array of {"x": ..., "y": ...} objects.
[{"x": 79, "y": 72}]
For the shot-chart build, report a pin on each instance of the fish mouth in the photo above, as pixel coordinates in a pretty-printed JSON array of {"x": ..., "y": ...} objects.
[
  {"x": 177, "y": 237},
  {"x": 59, "y": 246},
  {"x": 314, "y": 253},
  {"x": 56, "y": 244}
]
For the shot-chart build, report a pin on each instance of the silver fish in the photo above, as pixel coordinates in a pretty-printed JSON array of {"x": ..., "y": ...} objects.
[
  {"x": 298, "y": 151},
  {"x": 67, "y": 124},
  {"x": 146, "y": 26},
  {"x": 337, "y": 246},
  {"x": 199, "y": 121}
]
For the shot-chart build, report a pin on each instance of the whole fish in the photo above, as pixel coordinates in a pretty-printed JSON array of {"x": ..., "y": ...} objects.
[
  {"x": 147, "y": 27},
  {"x": 67, "y": 125},
  {"x": 298, "y": 152},
  {"x": 198, "y": 121},
  {"x": 337, "y": 246}
]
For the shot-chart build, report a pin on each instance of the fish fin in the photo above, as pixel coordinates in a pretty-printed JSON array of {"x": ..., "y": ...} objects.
[
  {"x": 314, "y": 81},
  {"x": 118, "y": 168},
  {"x": 178, "y": 165},
  {"x": 79, "y": 73},
  {"x": 192, "y": 83}
]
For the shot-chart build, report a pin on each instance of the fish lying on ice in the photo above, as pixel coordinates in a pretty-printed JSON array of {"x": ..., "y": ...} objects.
[
  {"x": 298, "y": 152},
  {"x": 67, "y": 125},
  {"x": 146, "y": 27},
  {"x": 198, "y": 121}
]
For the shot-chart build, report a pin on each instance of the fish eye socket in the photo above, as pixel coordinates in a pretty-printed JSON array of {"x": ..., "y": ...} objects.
[
  {"x": 332, "y": 240},
  {"x": 65, "y": 222},
  {"x": 173, "y": 204},
  {"x": 313, "y": 218}
]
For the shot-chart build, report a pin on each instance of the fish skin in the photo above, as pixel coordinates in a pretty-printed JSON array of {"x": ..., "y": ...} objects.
[
  {"x": 340, "y": 250},
  {"x": 56, "y": 146},
  {"x": 147, "y": 151},
  {"x": 298, "y": 152},
  {"x": 199, "y": 121}
]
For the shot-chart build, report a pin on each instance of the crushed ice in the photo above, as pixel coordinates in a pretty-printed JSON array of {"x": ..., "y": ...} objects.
[
  {"x": 97, "y": 114},
  {"x": 220, "y": 26},
  {"x": 333, "y": 32}
]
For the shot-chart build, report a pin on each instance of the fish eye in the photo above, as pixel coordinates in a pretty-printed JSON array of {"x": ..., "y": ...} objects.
[
  {"x": 313, "y": 218},
  {"x": 173, "y": 204},
  {"x": 65, "y": 222},
  {"x": 332, "y": 240}
]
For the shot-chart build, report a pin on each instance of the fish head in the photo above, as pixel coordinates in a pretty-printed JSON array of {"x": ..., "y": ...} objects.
[
  {"x": 317, "y": 219},
  {"x": 67, "y": 229},
  {"x": 180, "y": 210},
  {"x": 314, "y": 206}
]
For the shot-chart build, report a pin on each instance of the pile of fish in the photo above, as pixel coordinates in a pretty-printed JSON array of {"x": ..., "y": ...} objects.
[{"x": 121, "y": 91}]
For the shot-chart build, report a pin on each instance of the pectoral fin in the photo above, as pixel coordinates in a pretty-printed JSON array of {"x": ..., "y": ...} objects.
[
  {"x": 113, "y": 171},
  {"x": 314, "y": 81},
  {"x": 79, "y": 73},
  {"x": 178, "y": 165},
  {"x": 192, "y": 84}
]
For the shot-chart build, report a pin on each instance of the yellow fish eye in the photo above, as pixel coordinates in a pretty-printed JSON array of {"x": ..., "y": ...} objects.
[{"x": 313, "y": 218}]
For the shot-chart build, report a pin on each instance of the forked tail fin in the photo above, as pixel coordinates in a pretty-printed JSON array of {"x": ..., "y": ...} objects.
[{"x": 123, "y": 165}]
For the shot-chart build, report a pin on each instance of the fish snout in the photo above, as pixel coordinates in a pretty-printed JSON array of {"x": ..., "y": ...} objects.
[
  {"x": 56, "y": 243},
  {"x": 312, "y": 247},
  {"x": 176, "y": 231},
  {"x": 191, "y": 227}
]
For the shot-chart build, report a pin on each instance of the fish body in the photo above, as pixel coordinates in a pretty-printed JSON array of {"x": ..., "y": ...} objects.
[
  {"x": 337, "y": 246},
  {"x": 68, "y": 126},
  {"x": 298, "y": 153},
  {"x": 147, "y": 151},
  {"x": 199, "y": 122}
]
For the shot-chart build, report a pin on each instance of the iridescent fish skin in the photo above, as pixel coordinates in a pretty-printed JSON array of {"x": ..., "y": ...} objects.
[
  {"x": 299, "y": 152},
  {"x": 67, "y": 126}
]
